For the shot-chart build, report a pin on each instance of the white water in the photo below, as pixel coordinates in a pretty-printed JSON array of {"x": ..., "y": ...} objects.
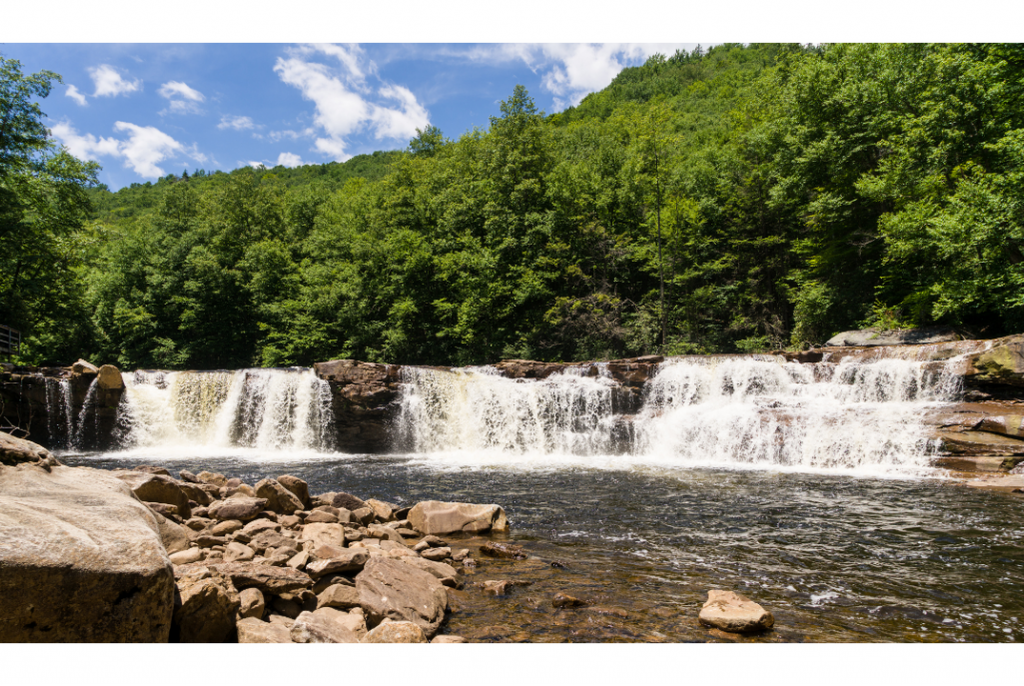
[
  {"x": 60, "y": 414},
  {"x": 267, "y": 410},
  {"x": 755, "y": 412}
]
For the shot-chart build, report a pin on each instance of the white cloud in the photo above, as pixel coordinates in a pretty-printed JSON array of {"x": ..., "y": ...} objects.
[
  {"x": 345, "y": 103},
  {"x": 289, "y": 159},
  {"x": 109, "y": 82},
  {"x": 184, "y": 99},
  {"x": 73, "y": 93},
  {"x": 571, "y": 71},
  {"x": 234, "y": 122},
  {"x": 143, "y": 149}
]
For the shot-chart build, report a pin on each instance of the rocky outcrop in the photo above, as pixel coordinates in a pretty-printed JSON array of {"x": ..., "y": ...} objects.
[
  {"x": 15, "y": 451},
  {"x": 435, "y": 517},
  {"x": 389, "y": 588},
  {"x": 734, "y": 613},
  {"x": 363, "y": 398},
  {"x": 80, "y": 559},
  {"x": 878, "y": 337}
]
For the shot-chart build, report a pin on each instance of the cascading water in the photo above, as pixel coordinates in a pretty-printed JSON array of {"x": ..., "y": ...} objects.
[
  {"x": 60, "y": 414},
  {"x": 477, "y": 409},
  {"x": 758, "y": 411},
  {"x": 265, "y": 409}
]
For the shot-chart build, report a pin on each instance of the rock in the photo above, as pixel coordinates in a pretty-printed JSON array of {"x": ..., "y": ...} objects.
[
  {"x": 321, "y": 517},
  {"x": 197, "y": 523},
  {"x": 566, "y": 600},
  {"x": 252, "y": 630},
  {"x": 108, "y": 377},
  {"x": 163, "y": 509},
  {"x": 1002, "y": 364},
  {"x": 187, "y": 556},
  {"x": 289, "y": 521},
  {"x": 208, "y": 541},
  {"x": 1003, "y": 484},
  {"x": 240, "y": 491},
  {"x": 339, "y": 560},
  {"x": 312, "y": 628},
  {"x": 158, "y": 489},
  {"x": 228, "y": 526},
  {"x": 338, "y": 596},
  {"x": 363, "y": 515},
  {"x": 448, "y": 639},
  {"x": 81, "y": 559},
  {"x": 877, "y": 337},
  {"x": 734, "y": 613},
  {"x": 205, "y": 606},
  {"x": 251, "y": 604},
  {"x": 436, "y": 554},
  {"x": 502, "y": 549},
  {"x": 267, "y": 540},
  {"x": 280, "y": 619},
  {"x": 501, "y": 587},
  {"x": 237, "y": 552},
  {"x": 324, "y": 534},
  {"x": 242, "y": 508},
  {"x": 347, "y": 501},
  {"x": 152, "y": 470},
  {"x": 189, "y": 477},
  {"x": 299, "y": 560},
  {"x": 279, "y": 499},
  {"x": 174, "y": 536},
  {"x": 395, "y": 632},
  {"x": 435, "y": 517},
  {"x": 385, "y": 533},
  {"x": 199, "y": 495},
  {"x": 383, "y": 511},
  {"x": 212, "y": 478},
  {"x": 298, "y": 487},
  {"x": 352, "y": 620},
  {"x": 392, "y": 589},
  {"x": 292, "y": 606},
  {"x": 363, "y": 396},
  {"x": 15, "y": 451},
  {"x": 272, "y": 580},
  {"x": 256, "y": 526},
  {"x": 84, "y": 368}
]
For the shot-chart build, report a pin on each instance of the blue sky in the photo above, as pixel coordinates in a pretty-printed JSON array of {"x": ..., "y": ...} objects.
[{"x": 145, "y": 110}]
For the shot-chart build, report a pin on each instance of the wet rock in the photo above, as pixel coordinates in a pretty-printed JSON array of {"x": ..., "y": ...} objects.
[
  {"x": 1004, "y": 484},
  {"x": 502, "y": 549},
  {"x": 252, "y": 630},
  {"x": 395, "y": 632},
  {"x": 392, "y": 589},
  {"x": 312, "y": 628},
  {"x": 499, "y": 588},
  {"x": 436, "y": 517},
  {"x": 609, "y": 611},
  {"x": 298, "y": 487},
  {"x": 279, "y": 499},
  {"x": 81, "y": 559},
  {"x": 251, "y": 604},
  {"x": 205, "y": 606},
  {"x": 565, "y": 600},
  {"x": 241, "y": 508},
  {"x": 734, "y": 613},
  {"x": 448, "y": 639}
]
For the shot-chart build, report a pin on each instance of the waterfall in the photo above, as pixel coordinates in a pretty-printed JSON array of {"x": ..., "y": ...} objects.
[
  {"x": 478, "y": 409},
  {"x": 755, "y": 411},
  {"x": 265, "y": 409},
  {"x": 60, "y": 416}
]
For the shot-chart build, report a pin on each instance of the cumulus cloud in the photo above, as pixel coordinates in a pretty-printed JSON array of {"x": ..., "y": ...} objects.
[
  {"x": 571, "y": 71},
  {"x": 237, "y": 123},
  {"x": 289, "y": 159},
  {"x": 345, "y": 102},
  {"x": 109, "y": 82},
  {"x": 183, "y": 99},
  {"x": 142, "y": 148},
  {"x": 75, "y": 95}
]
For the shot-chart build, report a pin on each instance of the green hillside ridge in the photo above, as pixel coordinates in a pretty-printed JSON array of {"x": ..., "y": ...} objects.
[{"x": 742, "y": 198}]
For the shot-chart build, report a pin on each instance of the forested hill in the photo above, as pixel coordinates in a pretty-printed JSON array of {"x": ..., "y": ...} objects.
[{"x": 739, "y": 199}]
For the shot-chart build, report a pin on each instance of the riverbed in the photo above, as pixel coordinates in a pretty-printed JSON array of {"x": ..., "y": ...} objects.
[{"x": 836, "y": 557}]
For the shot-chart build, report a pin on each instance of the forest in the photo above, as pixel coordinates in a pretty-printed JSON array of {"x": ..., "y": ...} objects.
[{"x": 743, "y": 198}]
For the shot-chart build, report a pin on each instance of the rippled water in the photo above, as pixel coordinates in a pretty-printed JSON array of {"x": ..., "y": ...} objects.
[{"x": 835, "y": 558}]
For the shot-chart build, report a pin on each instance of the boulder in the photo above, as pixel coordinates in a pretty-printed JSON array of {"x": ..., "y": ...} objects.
[
  {"x": 272, "y": 580},
  {"x": 444, "y": 573},
  {"x": 15, "y": 451},
  {"x": 1002, "y": 364},
  {"x": 187, "y": 556},
  {"x": 251, "y": 604},
  {"x": 313, "y": 628},
  {"x": 205, "y": 606},
  {"x": 109, "y": 378},
  {"x": 195, "y": 493},
  {"x": 174, "y": 536},
  {"x": 448, "y": 639},
  {"x": 503, "y": 549},
  {"x": 336, "y": 560},
  {"x": 877, "y": 337},
  {"x": 212, "y": 478},
  {"x": 241, "y": 508},
  {"x": 394, "y": 632},
  {"x": 732, "y": 612},
  {"x": 352, "y": 620},
  {"x": 156, "y": 488},
  {"x": 566, "y": 600},
  {"x": 321, "y": 517},
  {"x": 435, "y": 517},
  {"x": 81, "y": 560},
  {"x": 84, "y": 368},
  {"x": 252, "y": 630},
  {"x": 385, "y": 511},
  {"x": 338, "y": 596},
  {"x": 237, "y": 552},
  {"x": 347, "y": 501},
  {"x": 389, "y": 588},
  {"x": 279, "y": 499},
  {"x": 298, "y": 487},
  {"x": 324, "y": 534}
]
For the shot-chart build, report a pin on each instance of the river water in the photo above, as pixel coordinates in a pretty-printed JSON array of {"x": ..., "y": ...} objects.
[{"x": 806, "y": 487}]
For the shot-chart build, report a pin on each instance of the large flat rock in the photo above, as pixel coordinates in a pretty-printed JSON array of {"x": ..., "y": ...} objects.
[{"x": 80, "y": 559}]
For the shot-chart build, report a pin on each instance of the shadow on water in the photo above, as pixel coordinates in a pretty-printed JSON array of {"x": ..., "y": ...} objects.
[{"x": 835, "y": 558}]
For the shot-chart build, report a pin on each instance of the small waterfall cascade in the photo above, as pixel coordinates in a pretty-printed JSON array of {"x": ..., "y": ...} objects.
[
  {"x": 60, "y": 415},
  {"x": 764, "y": 411},
  {"x": 266, "y": 409},
  {"x": 754, "y": 410},
  {"x": 475, "y": 408}
]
